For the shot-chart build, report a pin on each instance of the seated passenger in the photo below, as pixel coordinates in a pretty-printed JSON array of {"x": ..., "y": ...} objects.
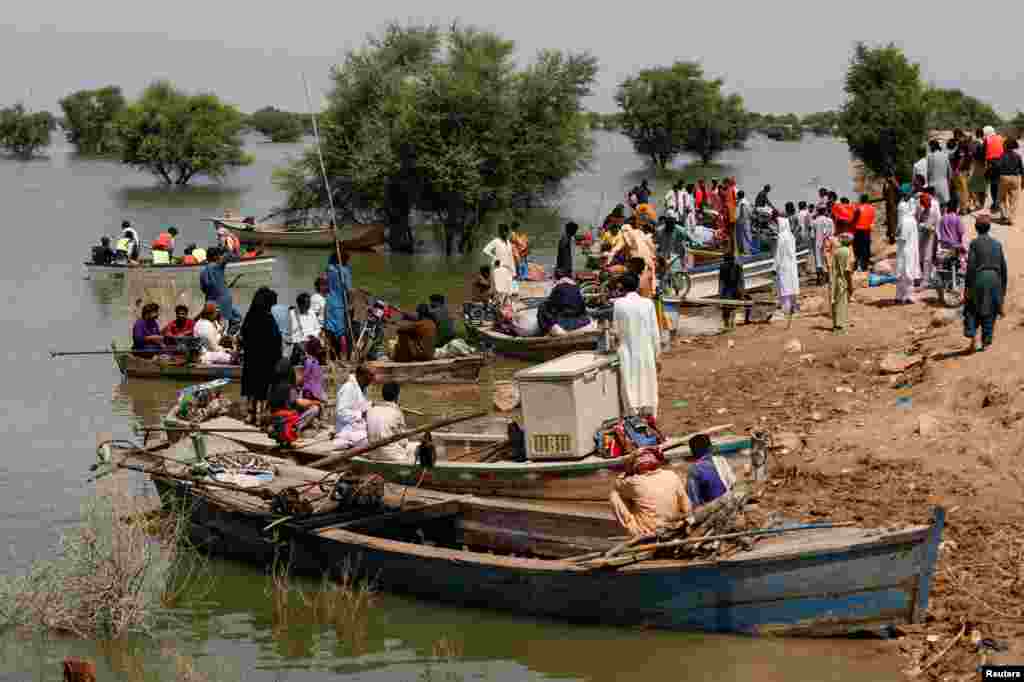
[
  {"x": 386, "y": 420},
  {"x": 648, "y": 495},
  {"x": 209, "y": 333},
  {"x": 287, "y": 416},
  {"x": 416, "y": 339},
  {"x": 709, "y": 476},
  {"x": 350, "y": 409},
  {"x": 103, "y": 254},
  {"x": 181, "y": 325},
  {"x": 564, "y": 309},
  {"x": 147, "y": 341},
  {"x": 439, "y": 313}
]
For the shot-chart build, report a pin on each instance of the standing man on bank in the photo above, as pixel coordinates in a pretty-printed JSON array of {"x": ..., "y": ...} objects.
[
  {"x": 984, "y": 285},
  {"x": 564, "y": 261}
]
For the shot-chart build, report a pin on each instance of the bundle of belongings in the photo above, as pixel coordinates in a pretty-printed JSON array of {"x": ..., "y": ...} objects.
[
  {"x": 623, "y": 435},
  {"x": 202, "y": 401}
]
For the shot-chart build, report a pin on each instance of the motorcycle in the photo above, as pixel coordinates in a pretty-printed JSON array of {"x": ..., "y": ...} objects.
[{"x": 947, "y": 277}]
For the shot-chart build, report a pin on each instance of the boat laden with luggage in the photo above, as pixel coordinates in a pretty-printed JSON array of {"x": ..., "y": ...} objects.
[{"x": 538, "y": 559}]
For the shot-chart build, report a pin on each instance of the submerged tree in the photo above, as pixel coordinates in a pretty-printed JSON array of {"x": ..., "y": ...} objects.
[
  {"x": 22, "y": 132},
  {"x": 444, "y": 123},
  {"x": 89, "y": 119},
  {"x": 177, "y": 136},
  {"x": 277, "y": 125},
  {"x": 885, "y": 117},
  {"x": 670, "y": 110}
]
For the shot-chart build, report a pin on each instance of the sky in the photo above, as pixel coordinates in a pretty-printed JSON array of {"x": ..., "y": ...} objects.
[{"x": 254, "y": 54}]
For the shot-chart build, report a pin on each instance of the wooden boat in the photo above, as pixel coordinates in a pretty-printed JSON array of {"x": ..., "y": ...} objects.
[
  {"x": 459, "y": 370},
  {"x": 533, "y": 347},
  {"x": 758, "y": 271},
  {"x": 133, "y": 366},
  {"x": 457, "y": 549},
  {"x": 584, "y": 480},
  {"x": 267, "y": 234},
  {"x": 258, "y": 265}
]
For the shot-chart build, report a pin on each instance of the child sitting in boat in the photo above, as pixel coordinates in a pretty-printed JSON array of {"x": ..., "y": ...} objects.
[{"x": 289, "y": 413}]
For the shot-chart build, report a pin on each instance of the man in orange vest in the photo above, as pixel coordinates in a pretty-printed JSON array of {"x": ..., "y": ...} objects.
[
  {"x": 864, "y": 220},
  {"x": 993, "y": 151}
]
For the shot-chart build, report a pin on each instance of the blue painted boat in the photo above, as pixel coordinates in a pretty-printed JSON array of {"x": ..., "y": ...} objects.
[{"x": 469, "y": 550}]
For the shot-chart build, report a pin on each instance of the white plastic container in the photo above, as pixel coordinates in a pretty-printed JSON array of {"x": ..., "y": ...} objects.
[{"x": 564, "y": 402}]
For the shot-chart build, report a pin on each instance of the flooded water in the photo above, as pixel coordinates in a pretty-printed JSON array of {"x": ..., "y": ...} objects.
[{"x": 55, "y": 209}]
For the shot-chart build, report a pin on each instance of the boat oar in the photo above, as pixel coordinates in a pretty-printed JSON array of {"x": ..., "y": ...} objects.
[
  {"x": 325, "y": 462},
  {"x": 61, "y": 354},
  {"x": 685, "y": 440},
  {"x": 186, "y": 429}
]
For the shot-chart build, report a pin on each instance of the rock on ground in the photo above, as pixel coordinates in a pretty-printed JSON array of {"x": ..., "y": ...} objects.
[
  {"x": 794, "y": 346},
  {"x": 897, "y": 363},
  {"x": 927, "y": 425}
]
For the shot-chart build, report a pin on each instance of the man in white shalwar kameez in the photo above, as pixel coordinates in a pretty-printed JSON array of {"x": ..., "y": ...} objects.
[
  {"x": 787, "y": 278},
  {"x": 350, "y": 411},
  {"x": 908, "y": 264},
  {"x": 687, "y": 208},
  {"x": 928, "y": 223},
  {"x": 822, "y": 230},
  {"x": 639, "y": 340}
]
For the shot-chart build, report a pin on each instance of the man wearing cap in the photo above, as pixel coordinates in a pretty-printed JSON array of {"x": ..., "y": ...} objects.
[
  {"x": 709, "y": 476},
  {"x": 648, "y": 495},
  {"x": 984, "y": 285}
]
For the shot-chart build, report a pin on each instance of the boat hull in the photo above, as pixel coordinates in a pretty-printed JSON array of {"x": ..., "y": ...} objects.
[
  {"x": 588, "y": 480},
  {"x": 822, "y": 583},
  {"x": 461, "y": 370},
  {"x": 262, "y": 265},
  {"x": 536, "y": 348},
  {"x": 319, "y": 238},
  {"x": 151, "y": 369}
]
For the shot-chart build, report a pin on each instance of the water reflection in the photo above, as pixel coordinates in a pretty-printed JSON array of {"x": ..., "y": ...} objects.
[{"x": 213, "y": 197}]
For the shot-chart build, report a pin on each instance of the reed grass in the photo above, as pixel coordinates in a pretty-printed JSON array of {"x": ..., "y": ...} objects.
[
  {"x": 342, "y": 603},
  {"x": 111, "y": 576}
]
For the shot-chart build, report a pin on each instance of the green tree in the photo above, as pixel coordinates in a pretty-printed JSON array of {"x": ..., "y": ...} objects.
[
  {"x": 177, "y": 136},
  {"x": 456, "y": 132},
  {"x": 950, "y": 108},
  {"x": 89, "y": 117},
  {"x": 22, "y": 132},
  {"x": 822, "y": 123},
  {"x": 670, "y": 110},
  {"x": 885, "y": 117},
  {"x": 277, "y": 125}
]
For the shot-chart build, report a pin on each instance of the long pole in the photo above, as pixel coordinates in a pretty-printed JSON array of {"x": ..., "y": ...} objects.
[
  {"x": 331, "y": 460},
  {"x": 323, "y": 169}
]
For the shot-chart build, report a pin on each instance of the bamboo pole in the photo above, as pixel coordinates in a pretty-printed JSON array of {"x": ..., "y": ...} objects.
[{"x": 331, "y": 460}]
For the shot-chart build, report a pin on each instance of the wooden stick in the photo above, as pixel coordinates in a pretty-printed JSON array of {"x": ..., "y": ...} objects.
[
  {"x": 331, "y": 460},
  {"x": 685, "y": 440},
  {"x": 934, "y": 659},
  {"x": 61, "y": 354},
  {"x": 729, "y": 536},
  {"x": 185, "y": 429}
]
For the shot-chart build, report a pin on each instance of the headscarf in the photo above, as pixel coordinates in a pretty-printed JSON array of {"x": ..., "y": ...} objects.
[
  {"x": 988, "y": 130},
  {"x": 647, "y": 460}
]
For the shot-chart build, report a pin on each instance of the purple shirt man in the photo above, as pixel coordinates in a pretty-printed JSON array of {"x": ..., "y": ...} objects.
[
  {"x": 951, "y": 231},
  {"x": 145, "y": 328}
]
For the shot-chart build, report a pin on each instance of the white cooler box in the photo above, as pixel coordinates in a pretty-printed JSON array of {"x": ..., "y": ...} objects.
[{"x": 564, "y": 402}]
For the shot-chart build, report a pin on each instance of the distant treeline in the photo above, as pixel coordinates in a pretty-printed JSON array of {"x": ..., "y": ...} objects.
[{"x": 947, "y": 109}]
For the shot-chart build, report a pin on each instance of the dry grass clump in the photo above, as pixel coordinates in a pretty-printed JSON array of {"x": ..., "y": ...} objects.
[
  {"x": 110, "y": 577},
  {"x": 343, "y": 603}
]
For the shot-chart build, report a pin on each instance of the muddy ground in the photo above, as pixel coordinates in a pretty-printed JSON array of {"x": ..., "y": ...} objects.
[{"x": 864, "y": 442}]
